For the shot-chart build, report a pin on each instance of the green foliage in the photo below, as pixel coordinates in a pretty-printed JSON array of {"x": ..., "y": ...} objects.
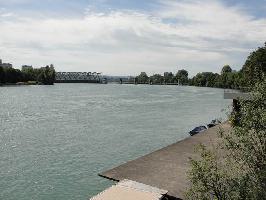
[
  {"x": 227, "y": 79},
  {"x": 212, "y": 178},
  {"x": 182, "y": 76},
  {"x": 254, "y": 69},
  {"x": 252, "y": 72},
  {"x": 142, "y": 78},
  {"x": 230, "y": 80},
  {"x": 157, "y": 79},
  {"x": 226, "y": 69},
  {"x": 29, "y": 73},
  {"x": 248, "y": 142},
  {"x": 169, "y": 77},
  {"x": 205, "y": 79},
  {"x": 45, "y": 75},
  {"x": 236, "y": 168},
  {"x": 13, "y": 75},
  {"x": 2, "y": 75}
]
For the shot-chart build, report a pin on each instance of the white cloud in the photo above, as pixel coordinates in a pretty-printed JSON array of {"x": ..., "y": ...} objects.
[
  {"x": 196, "y": 35},
  {"x": 4, "y": 13}
]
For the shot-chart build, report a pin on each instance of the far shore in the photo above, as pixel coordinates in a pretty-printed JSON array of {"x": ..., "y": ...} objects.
[{"x": 21, "y": 84}]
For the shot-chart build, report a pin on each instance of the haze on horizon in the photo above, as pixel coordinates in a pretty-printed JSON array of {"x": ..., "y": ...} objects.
[{"x": 126, "y": 37}]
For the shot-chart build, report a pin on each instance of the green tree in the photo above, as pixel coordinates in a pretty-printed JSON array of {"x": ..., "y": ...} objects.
[
  {"x": 157, "y": 79},
  {"x": 2, "y": 75},
  {"x": 236, "y": 168},
  {"x": 182, "y": 76},
  {"x": 168, "y": 77},
  {"x": 226, "y": 77},
  {"x": 29, "y": 74},
  {"x": 142, "y": 78},
  {"x": 199, "y": 80},
  {"x": 205, "y": 79},
  {"x": 46, "y": 75},
  {"x": 254, "y": 69},
  {"x": 13, "y": 75},
  {"x": 217, "y": 81},
  {"x": 226, "y": 69}
]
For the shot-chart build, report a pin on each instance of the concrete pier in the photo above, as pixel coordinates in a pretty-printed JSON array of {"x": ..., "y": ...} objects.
[
  {"x": 131, "y": 190},
  {"x": 166, "y": 168}
]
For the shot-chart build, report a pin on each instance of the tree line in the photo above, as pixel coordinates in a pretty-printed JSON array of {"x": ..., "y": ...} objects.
[
  {"x": 252, "y": 71},
  {"x": 168, "y": 78},
  {"x": 43, "y": 75},
  {"x": 235, "y": 168}
]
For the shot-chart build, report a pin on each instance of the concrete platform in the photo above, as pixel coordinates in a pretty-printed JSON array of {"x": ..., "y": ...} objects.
[
  {"x": 131, "y": 190},
  {"x": 166, "y": 168},
  {"x": 236, "y": 94}
]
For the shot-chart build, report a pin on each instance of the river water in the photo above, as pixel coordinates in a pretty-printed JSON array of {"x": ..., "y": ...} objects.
[{"x": 54, "y": 140}]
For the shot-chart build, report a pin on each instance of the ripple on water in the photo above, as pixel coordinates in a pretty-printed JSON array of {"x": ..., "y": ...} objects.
[{"x": 55, "y": 140}]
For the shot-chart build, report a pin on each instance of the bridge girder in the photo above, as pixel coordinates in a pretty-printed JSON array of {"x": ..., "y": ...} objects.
[{"x": 76, "y": 76}]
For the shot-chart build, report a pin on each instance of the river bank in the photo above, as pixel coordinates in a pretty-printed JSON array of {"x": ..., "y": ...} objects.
[
  {"x": 167, "y": 168},
  {"x": 22, "y": 83}
]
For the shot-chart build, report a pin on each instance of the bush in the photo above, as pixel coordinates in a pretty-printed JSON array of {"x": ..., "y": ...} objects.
[{"x": 236, "y": 168}]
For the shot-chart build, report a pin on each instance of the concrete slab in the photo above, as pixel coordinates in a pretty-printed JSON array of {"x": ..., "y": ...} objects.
[
  {"x": 141, "y": 187},
  {"x": 131, "y": 190},
  {"x": 235, "y": 94},
  {"x": 166, "y": 168}
]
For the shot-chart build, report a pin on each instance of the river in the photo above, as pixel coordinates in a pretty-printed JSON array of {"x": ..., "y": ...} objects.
[{"x": 54, "y": 140}]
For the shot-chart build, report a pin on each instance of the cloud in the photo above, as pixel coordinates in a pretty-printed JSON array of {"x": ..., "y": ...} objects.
[
  {"x": 196, "y": 35},
  {"x": 4, "y": 13}
]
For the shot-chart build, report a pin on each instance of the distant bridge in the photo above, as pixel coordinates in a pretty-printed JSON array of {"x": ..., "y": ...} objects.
[{"x": 79, "y": 77}]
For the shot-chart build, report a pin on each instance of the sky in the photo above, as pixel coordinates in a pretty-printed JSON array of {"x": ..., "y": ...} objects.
[{"x": 126, "y": 37}]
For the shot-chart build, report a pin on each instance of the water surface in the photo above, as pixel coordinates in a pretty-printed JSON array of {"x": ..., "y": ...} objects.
[{"x": 54, "y": 140}]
